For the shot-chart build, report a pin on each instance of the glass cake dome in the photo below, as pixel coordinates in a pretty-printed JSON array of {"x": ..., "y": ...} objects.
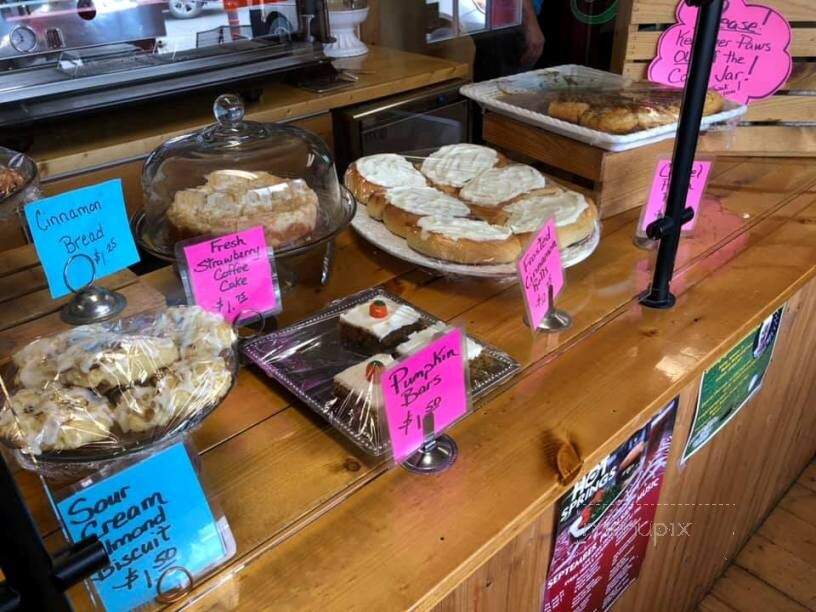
[{"x": 237, "y": 174}]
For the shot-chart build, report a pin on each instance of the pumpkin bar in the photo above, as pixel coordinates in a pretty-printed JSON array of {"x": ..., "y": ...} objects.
[{"x": 379, "y": 325}]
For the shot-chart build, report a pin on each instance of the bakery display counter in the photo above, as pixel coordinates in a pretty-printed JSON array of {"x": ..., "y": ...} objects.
[{"x": 318, "y": 524}]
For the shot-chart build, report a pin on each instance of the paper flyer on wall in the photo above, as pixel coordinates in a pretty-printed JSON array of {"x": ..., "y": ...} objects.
[
  {"x": 604, "y": 522},
  {"x": 729, "y": 384}
]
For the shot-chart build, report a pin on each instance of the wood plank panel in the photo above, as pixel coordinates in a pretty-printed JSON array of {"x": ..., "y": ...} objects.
[
  {"x": 140, "y": 297},
  {"x": 792, "y": 533},
  {"x": 663, "y": 11},
  {"x": 19, "y": 283},
  {"x": 781, "y": 569},
  {"x": 783, "y": 108},
  {"x": 571, "y": 155},
  {"x": 800, "y": 502},
  {"x": 129, "y": 172},
  {"x": 512, "y": 578},
  {"x": 11, "y": 234},
  {"x": 18, "y": 259},
  {"x": 643, "y": 45},
  {"x": 767, "y": 141},
  {"x": 39, "y": 303},
  {"x": 742, "y": 591}
]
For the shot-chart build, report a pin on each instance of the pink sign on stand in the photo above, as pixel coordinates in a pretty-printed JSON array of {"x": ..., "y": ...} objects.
[
  {"x": 232, "y": 275},
  {"x": 427, "y": 385},
  {"x": 656, "y": 205},
  {"x": 541, "y": 273},
  {"x": 752, "y": 59}
]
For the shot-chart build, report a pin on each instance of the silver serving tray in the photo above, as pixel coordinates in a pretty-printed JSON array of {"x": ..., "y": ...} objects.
[{"x": 306, "y": 356}]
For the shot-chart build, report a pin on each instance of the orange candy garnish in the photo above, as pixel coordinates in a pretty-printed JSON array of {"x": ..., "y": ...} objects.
[
  {"x": 378, "y": 309},
  {"x": 374, "y": 371}
]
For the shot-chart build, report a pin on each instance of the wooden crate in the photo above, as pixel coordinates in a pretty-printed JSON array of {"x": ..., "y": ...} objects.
[
  {"x": 616, "y": 181},
  {"x": 765, "y": 130}
]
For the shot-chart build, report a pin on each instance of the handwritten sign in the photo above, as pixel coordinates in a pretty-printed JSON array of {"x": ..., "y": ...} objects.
[
  {"x": 752, "y": 59},
  {"x": 428, "y": 385},
  {"x": 156, "y": 525},
  {"x": 541, "y": 273},
  {"x": 656, "y": 205},
  {"x": 232, "y": 275},
  {"x": 91, "y": 221}
]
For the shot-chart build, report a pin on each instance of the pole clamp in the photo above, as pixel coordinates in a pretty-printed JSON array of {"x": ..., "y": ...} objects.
[{"x": 662, "y": 227}]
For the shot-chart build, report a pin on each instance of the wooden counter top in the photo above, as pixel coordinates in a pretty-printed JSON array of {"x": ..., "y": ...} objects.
[
  {"x": 135, "y": 131},
  {"x": 319, "y": 525}
]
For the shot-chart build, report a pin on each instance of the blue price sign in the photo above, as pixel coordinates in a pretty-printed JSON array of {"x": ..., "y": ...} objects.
[
  {"x": 91, "y": 221},
  {"x": 156, "y": 525}
]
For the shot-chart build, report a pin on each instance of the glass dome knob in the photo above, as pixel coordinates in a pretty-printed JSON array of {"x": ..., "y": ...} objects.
[{"x": 228, "y": 109}]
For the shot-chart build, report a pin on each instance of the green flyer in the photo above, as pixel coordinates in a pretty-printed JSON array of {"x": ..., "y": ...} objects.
[{"x": 731, "y": 382}]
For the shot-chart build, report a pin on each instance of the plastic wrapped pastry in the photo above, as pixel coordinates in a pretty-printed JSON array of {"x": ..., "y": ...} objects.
[{"x": 101, "y": 390}]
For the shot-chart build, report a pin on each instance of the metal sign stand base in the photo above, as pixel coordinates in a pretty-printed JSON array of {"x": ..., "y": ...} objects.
[
  {"x": 91, "y": 305},
  {"x": 435, "y": 455},
  {"x": 555, "y": 321}
]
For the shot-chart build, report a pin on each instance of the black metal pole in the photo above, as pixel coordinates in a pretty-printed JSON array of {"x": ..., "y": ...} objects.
[{"x": 668, "y": 228}]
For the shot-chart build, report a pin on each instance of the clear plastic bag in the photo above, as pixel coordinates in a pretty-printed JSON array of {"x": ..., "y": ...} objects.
[
  {"x": 97, "y": 392},
  {"x": 465, "y": 209},
  {"x": 331, "y": 360}
]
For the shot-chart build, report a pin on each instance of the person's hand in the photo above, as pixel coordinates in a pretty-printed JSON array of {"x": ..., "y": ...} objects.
[{"x": 533, "y": 42}]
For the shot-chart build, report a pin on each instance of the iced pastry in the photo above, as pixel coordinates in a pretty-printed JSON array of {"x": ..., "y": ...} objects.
[
  {"x": 234, "y": 200},
  {"x": 172, "y": 395},
  {"x": 55, "y": 418},
  {"x": 465, "y": 241},
  {"x": 451, "y": 167},
  {"x": 405, "y": 206},
  {"x": 575, "y": 216},
  {"x": 375, "y": 174},
  {"x": 108, "y": 360}
]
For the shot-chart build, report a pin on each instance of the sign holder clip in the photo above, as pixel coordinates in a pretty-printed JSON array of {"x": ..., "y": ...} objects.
[
  {"x": 90, "y": 303},
  {"x": 436, "y": 454}
]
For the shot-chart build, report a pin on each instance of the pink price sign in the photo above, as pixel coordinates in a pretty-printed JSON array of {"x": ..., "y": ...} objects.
[
  {"x": 425, "y": 393},
  {"x": 656, "y": 205},
  {"x": 752, "y": 59},
  {"x": 541, "y": 273},
  {"x": 232, "y": 275}
]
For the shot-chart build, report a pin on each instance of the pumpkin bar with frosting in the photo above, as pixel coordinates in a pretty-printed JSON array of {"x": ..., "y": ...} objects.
[
  {"x": 379, "y": 324},
  {"x": 479, "y": 361},
  {"x": 358, "y": 399}
]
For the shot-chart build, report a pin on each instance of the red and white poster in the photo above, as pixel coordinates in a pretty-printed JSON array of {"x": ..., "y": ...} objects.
[{"x": 605, "y": 520}]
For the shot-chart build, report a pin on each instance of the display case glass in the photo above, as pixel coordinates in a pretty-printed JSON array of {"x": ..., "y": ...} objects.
[
  {"x": 237, "y": 174},
  {"x": 59, "y": 57}
]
